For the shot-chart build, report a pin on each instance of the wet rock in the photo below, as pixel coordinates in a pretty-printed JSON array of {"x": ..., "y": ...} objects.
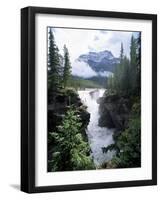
[
  {"x": 114, "y": 112},
  {"x": 84, "y": 115},
  {"x": 60, "y": 102}
]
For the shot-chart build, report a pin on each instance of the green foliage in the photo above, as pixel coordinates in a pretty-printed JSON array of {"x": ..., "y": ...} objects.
[
  {"x": 67, "y": 67},
  {"x": 128, "y": 143},
  {"x": 80, "y": 83},
  {"x": 59, "y": 67},
  {"x": 133, "y": 63},
  {"x": 126, "y": 77},
  {"x": 126, "y": 82},
  {"x": 110, "y": 84},
  {"x": 138, "y": 80},
  {"x": 68, "y": 150},
  {"x": 121, "y": 53},
  {"x": 72, "y": 152},
  {"x": 54, "y": 63},
  {"x": 99, "y": 80}
]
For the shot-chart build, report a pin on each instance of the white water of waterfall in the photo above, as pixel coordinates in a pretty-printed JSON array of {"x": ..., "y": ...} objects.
[{"x": 98, "y": 137}]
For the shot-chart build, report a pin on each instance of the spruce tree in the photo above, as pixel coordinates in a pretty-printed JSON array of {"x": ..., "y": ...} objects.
[
  {"x": 133, "y": 64},
  {"x": 67, "y": 67},
  {"x": 125, "y": 79},
  {"x": 72, "y": 152},
  {"x": 121, "y": 53},
  {"x": 138, "y": 43},
  {"x": 118, "y": 72},
  {"x": 53, "y": 63},
  {"x": 110, "y": 84}
]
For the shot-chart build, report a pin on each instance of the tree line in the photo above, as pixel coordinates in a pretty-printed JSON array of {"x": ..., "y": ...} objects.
[
  {"x": 68, "y": 149},
  {"x": 126, "y": 77},
  {"x": 126, "y": 83},
  {"x": 59, "y": 67}
]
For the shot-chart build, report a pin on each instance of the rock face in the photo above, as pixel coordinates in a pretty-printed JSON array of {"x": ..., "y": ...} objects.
[
  {"x": 100, "y": 62},
  {"x": 114, "y": 112},
  {"x": 60, "y": 103}
]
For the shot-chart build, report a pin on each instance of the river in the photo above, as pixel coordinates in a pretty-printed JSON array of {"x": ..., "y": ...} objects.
[{"x": 98, "y": 137}]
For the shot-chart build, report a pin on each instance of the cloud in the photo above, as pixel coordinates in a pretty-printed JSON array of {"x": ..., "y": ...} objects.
[
  {"x": 90, "y": 48},
  {"x": 82, "y": 69},
  {"x": 111, "y": 40},
  {"x": 81, "y": 41},
  {"x": 105, "y": 74}
]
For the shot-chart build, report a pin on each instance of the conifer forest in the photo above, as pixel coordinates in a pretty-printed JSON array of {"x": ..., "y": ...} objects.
[{"x": 94, "y": 99}]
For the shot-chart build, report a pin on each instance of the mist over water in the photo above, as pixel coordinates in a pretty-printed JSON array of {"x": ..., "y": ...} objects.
[{"x": 98, "y": 137}]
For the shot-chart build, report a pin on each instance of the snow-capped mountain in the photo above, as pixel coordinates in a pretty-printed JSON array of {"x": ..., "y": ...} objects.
[
  {"x": 100, "y": 62},
  {"x": 96, "y": 56}
]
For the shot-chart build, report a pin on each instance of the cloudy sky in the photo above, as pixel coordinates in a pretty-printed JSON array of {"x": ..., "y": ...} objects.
[{"x": 81, "y": 41}]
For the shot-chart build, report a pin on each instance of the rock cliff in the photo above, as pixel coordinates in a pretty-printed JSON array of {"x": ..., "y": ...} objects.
[
  {"x": 114, "y": 111},
  {"x": 59, "y": 104}
]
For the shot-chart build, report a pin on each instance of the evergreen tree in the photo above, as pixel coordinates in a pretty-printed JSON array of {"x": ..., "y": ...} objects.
[
  {"x": 125, "y": 79},
  {"x": 67, "y": 67},
  {"x": 72, "y": 151},
  {"x": 110, "y": 84},
  {"x": 121, "y": 74},
  {"x": 121, "y": 53},
  {"x": 133, "y": 64},
  {"x": 118, "y": 74},
  {"x": 128, "y": 143},
  {"x": 53, "y": 63},
  {"x": 126, "y": 82},
  {"x": 133, "y": 55},
  {"x": 138, "y": 43}
]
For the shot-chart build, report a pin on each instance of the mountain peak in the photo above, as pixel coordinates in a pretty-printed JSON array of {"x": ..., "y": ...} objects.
[
  {"x": 106, "y": 53},
  {"x": 99, "y": 61},
  {"x": 96, "y": 56}
]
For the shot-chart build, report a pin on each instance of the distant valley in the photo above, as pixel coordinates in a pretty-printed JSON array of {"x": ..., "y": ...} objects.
[{"x": 102, "y": 65}]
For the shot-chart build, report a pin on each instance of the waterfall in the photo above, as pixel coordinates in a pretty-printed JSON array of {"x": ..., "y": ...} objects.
[{"x": 98, "y": 137}]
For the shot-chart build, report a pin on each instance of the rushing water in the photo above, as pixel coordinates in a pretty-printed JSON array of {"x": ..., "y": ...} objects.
[{"x": 98, "y": 137}]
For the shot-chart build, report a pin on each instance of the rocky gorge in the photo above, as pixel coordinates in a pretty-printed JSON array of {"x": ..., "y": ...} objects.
[
  {"x": 59, "y": 103},
  {"x": 114, "y": 111},
  {"x": 122, "y": 113}
]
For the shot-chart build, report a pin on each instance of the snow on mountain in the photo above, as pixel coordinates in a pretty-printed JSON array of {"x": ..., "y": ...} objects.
[
  {"x": 100, "y": 62},
  {"x": 96, "y": 56}
]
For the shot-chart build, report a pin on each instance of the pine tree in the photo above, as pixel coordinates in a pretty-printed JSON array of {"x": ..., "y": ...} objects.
[
  {"x": 128, "y": 143},
  {"x": 125, "y": 79},
  {"x": 67, "y": 67},
  {"x": 72, "y": 151},
  {"x": 119, "y": 72},
  {"x": 53, "y": 63},
  {"x": 127, "y": 83},
  {"x": 133, "y": 55},
  {"x": 121, "y": 53},
  {"x": 133, "y": 64},
  {"x": 110, "y": 84},
  {"x": 120, "y": 81},
  {"x": 138, "y": 43}
]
